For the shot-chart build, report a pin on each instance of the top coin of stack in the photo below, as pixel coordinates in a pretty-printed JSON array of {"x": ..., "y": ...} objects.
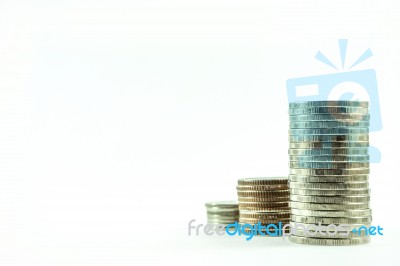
[
  {"x": 264, "y": 200},
  {"x": 329, "y": 167},
  {"x": 222, "y": 212}
]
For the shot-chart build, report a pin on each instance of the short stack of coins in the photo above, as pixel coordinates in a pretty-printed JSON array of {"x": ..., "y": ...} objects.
[
  {"x": 264, "y": 201},
  {"x": 222, "y": 212},
  {"x": 329, "y": 167}
]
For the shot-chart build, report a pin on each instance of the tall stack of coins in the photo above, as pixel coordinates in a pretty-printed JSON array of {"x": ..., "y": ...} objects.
[
  {"x": 329, "y": 167},
  {"x": 222, "y": 212},
  {"x": 264, "y": 201}
]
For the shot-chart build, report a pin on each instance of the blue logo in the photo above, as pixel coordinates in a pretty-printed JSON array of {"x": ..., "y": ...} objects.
[{"x": 345, "y": 85}]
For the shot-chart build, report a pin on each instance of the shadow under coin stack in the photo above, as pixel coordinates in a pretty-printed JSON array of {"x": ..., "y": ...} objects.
[
  {"x": 222, "y": 212},
  {"x": 264, "y": 201},
  {"x": 329, "y": 167}
]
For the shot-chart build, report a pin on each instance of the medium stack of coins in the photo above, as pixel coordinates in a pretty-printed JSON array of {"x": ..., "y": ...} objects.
[
  {"x": 329, "y": 167},
  {"x": 264, "y": 201},
  {"x": 222, "y": 212}
]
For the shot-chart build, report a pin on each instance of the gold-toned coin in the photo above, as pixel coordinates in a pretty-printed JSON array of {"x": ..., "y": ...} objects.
[
  {"x": 263, "y": 199},
  {"x": 264, "y": 205},
  {"x": 263, "y": 187},
  {"x": 277, "y": 193},
  {"x": 263, "y": 181}
]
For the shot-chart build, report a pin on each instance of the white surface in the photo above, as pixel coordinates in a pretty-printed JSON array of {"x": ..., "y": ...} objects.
[{"x": 119, "y": 119}]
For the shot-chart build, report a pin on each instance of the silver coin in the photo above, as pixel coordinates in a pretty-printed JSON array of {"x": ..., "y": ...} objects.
[
  {"x": 329, "y": 172},
  {"x": 328, "y": 110},
  {"x": 350, "y": 122},
  {"x": 223, "y": 220},
  {"x": 329, "y": 117},
  {"x": 328, "y": 165},
  {"x": 328, "y": 207},
  {"x": 329, "y": 192},
  {"x": 334, "y": 214},
  {"x": 229, "y": 212},
  {"x": 329, "y": 158},
  {"x": 330, "y": 131},
  {"x": 234, "y": 205},
  {"x": 329, "y": 124},
  {"x": 215, "y": 214},
  {"x": 222, "y": 211},
  {"x": 328, "y": 138},
  {"x": 224, "y": 223},
  {"x": 330, "y": 220},
  {"x": 222, "y": 204},
  {"x": 330, "y": 199},
  {"x": 329, "y": 242},
  {"x": 334, "y": 186},
  {"x": 321, "y": 152},
  {"x": 329, "y": 179},
  {"x": 294, "y": 105},
  {"x": 328, "y": 145},
  {"x": 223, "y": 217}
]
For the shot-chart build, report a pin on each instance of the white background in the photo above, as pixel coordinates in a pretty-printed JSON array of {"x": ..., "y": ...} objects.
[{"x": 120, "y": 119}]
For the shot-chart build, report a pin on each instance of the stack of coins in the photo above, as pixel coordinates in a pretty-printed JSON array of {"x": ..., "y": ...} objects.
[
  {"x": 264, "y": 201},
  {"x": 329, "y": 167},
  {"x": 222, "y": 212}
]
